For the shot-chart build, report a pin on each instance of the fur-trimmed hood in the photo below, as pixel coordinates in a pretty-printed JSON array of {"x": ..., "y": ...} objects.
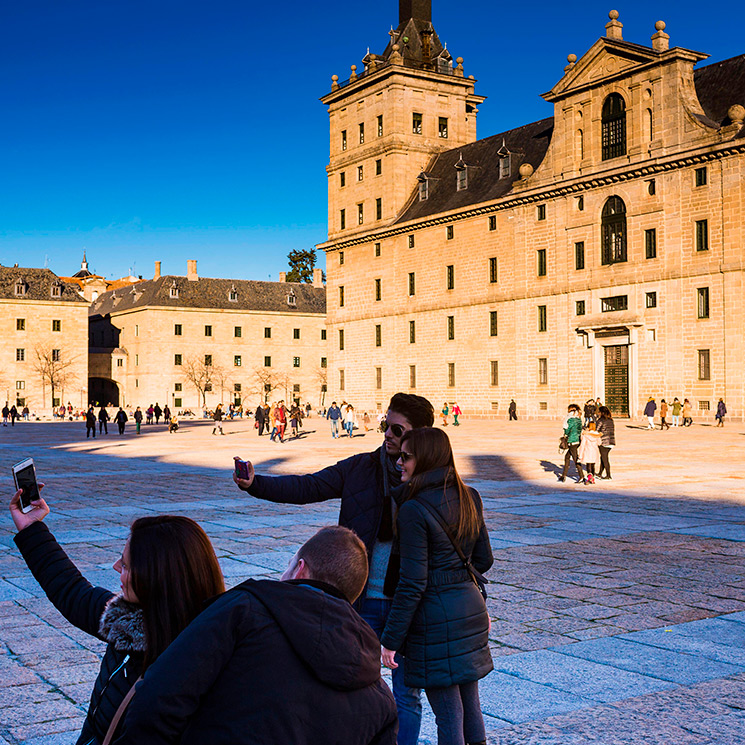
[{"x": 122, "y": 625}]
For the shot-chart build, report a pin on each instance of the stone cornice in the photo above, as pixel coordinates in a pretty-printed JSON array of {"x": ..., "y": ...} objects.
[{"x": 575, "y": 186}]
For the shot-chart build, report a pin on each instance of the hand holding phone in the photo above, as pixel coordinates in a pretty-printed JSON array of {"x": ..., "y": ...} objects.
[
  {"x": 27, "y": 505},
  {"x": 244, "y": 473},
  {"x": 24, "y": 475}
]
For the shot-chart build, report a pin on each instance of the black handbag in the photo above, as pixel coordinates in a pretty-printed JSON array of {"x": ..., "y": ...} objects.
[
  {"x": 563, "y": 443},
  {"x": 478, "y": 579}
]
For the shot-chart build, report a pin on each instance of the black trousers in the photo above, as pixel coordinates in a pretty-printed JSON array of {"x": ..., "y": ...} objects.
[
  {"x": 121, "y": 427},
  {"x": 103, "y": 427},
  {"x": 604, "y": 460},
  {"x": 513, "y": 415},
  {"x": 572, "y": 453}
]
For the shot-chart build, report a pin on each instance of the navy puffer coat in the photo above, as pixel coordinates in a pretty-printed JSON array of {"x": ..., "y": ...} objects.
[{"x": 438, "y": 619}]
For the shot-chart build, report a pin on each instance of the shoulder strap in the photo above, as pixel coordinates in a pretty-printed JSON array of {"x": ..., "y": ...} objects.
[{"x": 120, "y": 713}]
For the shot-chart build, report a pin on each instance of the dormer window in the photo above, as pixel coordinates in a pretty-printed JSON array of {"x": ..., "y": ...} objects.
[
  {"x": 461, "y": 178},
  {"x": 505, "y": 161},
  {"x": 56, "y": 290},
  {"x": 173, "y": 292},
  {"x": 21, "y": 288},
  {"x": 423, "y": 187},
  {"x": 291, "y": 299},
  {"x": 233, "y": 294}
]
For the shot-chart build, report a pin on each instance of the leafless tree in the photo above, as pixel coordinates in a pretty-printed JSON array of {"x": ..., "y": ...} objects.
[
  {"x": 268, "y": 380},
  {"x": 53, "y": 367},
  {"x": 201, "y": 373},
  {"x": 322, "y": 378}
]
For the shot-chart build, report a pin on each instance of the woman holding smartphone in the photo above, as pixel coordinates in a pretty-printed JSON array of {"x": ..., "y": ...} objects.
[
  {"x": 438, "y": 620},
  {"x": 168, "y": 569}
]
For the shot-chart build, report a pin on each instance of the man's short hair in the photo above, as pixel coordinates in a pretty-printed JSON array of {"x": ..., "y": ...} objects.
[
  {"x": 336, "y": 556},
  {"x": 416, "y": 409}
]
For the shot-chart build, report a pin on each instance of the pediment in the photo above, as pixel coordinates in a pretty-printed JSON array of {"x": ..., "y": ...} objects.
[{"x": 603, "y": 61}]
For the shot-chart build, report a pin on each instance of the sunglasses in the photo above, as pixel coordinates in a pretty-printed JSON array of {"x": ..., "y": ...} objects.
[
  {"x": 403, "y": 457},
  {"x": 397, "y": 429}
]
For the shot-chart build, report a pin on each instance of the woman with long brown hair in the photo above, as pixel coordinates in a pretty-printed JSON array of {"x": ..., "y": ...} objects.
[
  {"x": 168, "y": 569},
  {"x": 439, "y": 620}
]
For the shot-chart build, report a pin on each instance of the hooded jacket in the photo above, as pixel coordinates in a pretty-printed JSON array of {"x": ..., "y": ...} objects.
[{"x": 268, "y": 662}]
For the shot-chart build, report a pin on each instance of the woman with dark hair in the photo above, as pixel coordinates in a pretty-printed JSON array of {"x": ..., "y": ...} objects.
[
  {"x": 438, "y": 620},
  {"x": 607, "y": 428},
  {"x": 168, "y": 569}
]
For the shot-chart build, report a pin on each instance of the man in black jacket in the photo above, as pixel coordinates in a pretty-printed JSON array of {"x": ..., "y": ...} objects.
[
  {"x": 260, "y": 417},
  {"x": 364, "y": 483},
  {"x": 281, "y": 662}
]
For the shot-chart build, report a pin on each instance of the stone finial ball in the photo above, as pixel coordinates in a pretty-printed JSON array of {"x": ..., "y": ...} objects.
[
  {"x": 459, "y": 60},
  {"x": 526, "y": 170},
  {"x": 335, "y": 78},
  {"x": 353, "y": 68},
  {"x": 613, "y": 15},
  {"x": 395, "y": 47},
  {"x": 571, "y": 58},
  {"x": 736, "y": 113},
  {"x": 660, "y": 25}
]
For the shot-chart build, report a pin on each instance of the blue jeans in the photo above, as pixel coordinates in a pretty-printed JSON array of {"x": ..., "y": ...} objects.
[
  {"x": 334, "y": 427},
  {"x": 408, "y": 700},
  {"x": 349, "y": 426}
]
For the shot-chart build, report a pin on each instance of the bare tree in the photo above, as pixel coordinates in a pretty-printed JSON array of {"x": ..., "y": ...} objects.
[
  {"x": 220, "y": 378},
  {"x": 201, "y": 373},
  {"x": 53, "y": 367},
  {"x": 268, "y": 380},
  {"x": 322, "y": 378}
]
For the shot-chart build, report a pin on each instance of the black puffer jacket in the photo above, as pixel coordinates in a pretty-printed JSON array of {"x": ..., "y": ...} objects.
[
  {"x": 438, "y": 619},
  {"x": 98, "y": 612},
  {"x": 267, "y": 663}
]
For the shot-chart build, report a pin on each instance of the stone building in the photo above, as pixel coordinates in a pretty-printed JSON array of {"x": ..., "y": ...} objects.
[
  {"x": 189, "y": 341},
  {"x": 91, "y": 285},
  {"x": 596, "y": 253},
  {"x": 44, "y": 333}
]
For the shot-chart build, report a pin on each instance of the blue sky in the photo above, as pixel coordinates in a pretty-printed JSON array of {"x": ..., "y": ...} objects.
[{"x": 166, "y": 130}]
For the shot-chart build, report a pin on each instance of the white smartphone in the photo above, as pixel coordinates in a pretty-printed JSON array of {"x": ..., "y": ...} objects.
[{"x": 24, "y": 475}]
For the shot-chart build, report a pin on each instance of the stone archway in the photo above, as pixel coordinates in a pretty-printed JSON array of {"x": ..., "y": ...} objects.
[{"x": 103, "y": 391}]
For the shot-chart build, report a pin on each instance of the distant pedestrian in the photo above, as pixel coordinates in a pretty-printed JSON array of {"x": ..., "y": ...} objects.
[
  {"x": 350, "y": 419},
  {"x": 444, "y": 414},
  {"x": 103, "y": 419},
  {"x": 173, "y": 424},
  {"x": 589, "y": 450},
  {"x": 260, "y": 419},
  {"x": 281, "y": 418},
  {"x": 334, "y": 415},
  {"x": 677, "y": 406},
  {"x": 573, "y": 431},
  {"x": 166, "y": 415},
  {"x": 607, "y": 428},
  {"x": 721, "y": 412},
  {"x": 90, "y": 423},
  {"x": 138, "y": 419},
  {"x": 217, "y": 419},
  {"x": 158, "y": 412},
  {"x": 687, "y": 411},
  {"x": 13, "y": 415},
  {"x": 456, "y": 413},
  {"x": 589, "y": 412},
  {"x": 649, "y": 411},
  {"x": 663, "y": 415},
  {"x": 513, "y": 410},
  {"x": 366, "y": 420},
  {"x": 121, "y": 419},
  {"x": 25, "y": 413},
  {"x": 150, "y": 413}
]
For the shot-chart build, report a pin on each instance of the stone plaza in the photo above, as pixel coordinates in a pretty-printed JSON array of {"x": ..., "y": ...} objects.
[{"x": 618, "y": 608}]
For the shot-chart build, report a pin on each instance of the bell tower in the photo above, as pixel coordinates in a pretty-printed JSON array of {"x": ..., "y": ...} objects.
[{"x": 389, "y": 118}]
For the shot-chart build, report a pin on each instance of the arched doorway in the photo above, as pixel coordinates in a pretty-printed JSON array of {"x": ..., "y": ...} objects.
[{"x": 103, "y": 391}]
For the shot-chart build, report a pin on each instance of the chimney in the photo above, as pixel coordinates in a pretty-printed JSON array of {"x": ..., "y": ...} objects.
[
  {"x": 191, "y": 270},
  {"x": 157, "y": 270},
  {"x": 283, "y": 276},
  {"x": 421, "y": 10},
  {"x": 318, "y": 277}
]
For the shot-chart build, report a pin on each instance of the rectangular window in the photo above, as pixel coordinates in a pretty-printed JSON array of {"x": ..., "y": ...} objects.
[
  {"x": 380, "y": 125},
  {"x": 493, "y": 275},
  {"x": 377, "y": 249},
  {"x": 579, "y": 308},
  {"x": 700, "y": 176},
  {"x": 296, "y": 361},
  {"x": 450, "y": 232},
  {"x": 702, "y": 235},
  {"x": 379, "y": 208},
  {"x": 451, "y": 328},
  {"x": 324, "y": 362},
  {"x": 137, "y": 329},
  {"x": 341, "y": 296},
  {"x": 378, "y": 378},
  {"x": 442, "y": 127},
  {"x": 651, "y": 187},
  {"x": 579, "y": 255},
  {"x": 704, "y": 364},
  {"x": 360, "y": 173},
  {"x": 323, "y": 334},
  {"x": 342, "y": 179},
  {"x": 378, "y": 290},
  {"x": 237, "y": 332},
  {"x": 178, "y": 329},
  {"x": 618, "y": 302},
  {"x": 542, "y": 371},
  {"x": 57, "y": 325},
  {"x": 650, "y": 243},
  {"x": 341, "y": 340},
  {"x": 177, "y": 402},
  {"x": 451, "y": 374},
  {"x": 267, "y": 332},
  {"x": 703, "y": 302},
  {"x": 295, "y": 333},
  {"x": 20, "y": 385},
  {"x": 344, "y": 139},
  {"x": 541, "y": 212},
  {"x": 505, "y": 166},
  {"x": 120, "y": 362},
  {"x": 342, "y": 380},
  {"x": 208, "y": 330},
  {"x": 20, "y": 324},
  {"x": 378, "y": 335},
  {"x": 541, "y": 253},
  {"x": 411, "y": 241},
  {"x": 237, "y": 360},
  {"x": 57, "y": 355},
  {"x": 137, "y": 360},
  {"x": 542, "y": 318},
  {"x": 450, "y": 277},
  {"x": 461, "y": 179},
  {"x": 178, "y": 387},
  {"x": 580, "y": 203},
  {"x": 650, "y": 299},
  {"x": 360, "y": 214},
  {"x": 412, "y": 283},
  {"x": 342, "y": 219},
  {"x": 267, "y": 361},
  {"x": 412, "y": 376},
  {"x": 416, "y": 124},
  {"x": 362, "y": 134},
  {"x": 494, "y": 372},
  {"x": 208, "y": 360},
  {"x": 341, "y": 258},
  {"x": 378, "y": 167},
  {"x": 493, "y": 323},
  {"x": 492, "y": 222},
  {"x": 177, "y": 359},
  {"x": 412, "y": 332}
]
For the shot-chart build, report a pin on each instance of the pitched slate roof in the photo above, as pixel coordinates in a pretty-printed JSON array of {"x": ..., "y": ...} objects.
[
  {"x": 38, "y": 283},
  {"x": 718, "y": 86},
  {"x": 206, "y": 292}
]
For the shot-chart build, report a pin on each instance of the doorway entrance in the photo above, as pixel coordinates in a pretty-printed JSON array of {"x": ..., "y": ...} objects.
[{"x": 617, "y": 379}]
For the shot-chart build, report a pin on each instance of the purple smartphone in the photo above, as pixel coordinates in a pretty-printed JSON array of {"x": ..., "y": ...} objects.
[{"x": 241, "y": 469}]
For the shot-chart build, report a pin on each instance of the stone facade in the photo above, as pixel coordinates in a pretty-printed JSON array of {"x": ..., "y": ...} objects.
[
  {"x": 44, "y": 329},
  {"x": 597, "y": 253},
  {"x": 150, "y": 342}
]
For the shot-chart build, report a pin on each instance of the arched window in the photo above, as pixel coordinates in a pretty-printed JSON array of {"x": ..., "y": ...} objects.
[
  {"x": 614, "y": 126},
  {"x": 650, "y": 125},
  {"x": 614, "y": 231},
  {"x": 580, "y": 144}
]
